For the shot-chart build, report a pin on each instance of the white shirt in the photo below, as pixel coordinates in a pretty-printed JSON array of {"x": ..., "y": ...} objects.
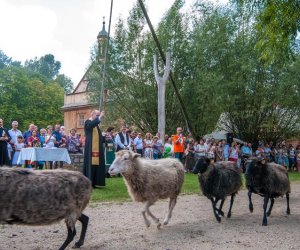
[
  {"x": 168, "y": 145},
  {"x": 211, "y": 151},
  {"x": 234, "y": 153},
  {"x": 14, "y": 135},
  {"x": 201, "y": 150},
  {"x": 50, "y": 143},
  {"x": 120, "y": 144}
]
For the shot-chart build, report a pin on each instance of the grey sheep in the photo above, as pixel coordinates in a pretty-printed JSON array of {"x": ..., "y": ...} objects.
[
  {"x": 217, "y": 181},
  {"x": 149, "y": 180},
  {"x": 32, "y": 197},
  {"x": 268, "y": 180}
]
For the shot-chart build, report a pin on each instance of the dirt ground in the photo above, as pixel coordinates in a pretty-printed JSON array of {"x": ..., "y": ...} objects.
[{"x": 193, "y": 226}]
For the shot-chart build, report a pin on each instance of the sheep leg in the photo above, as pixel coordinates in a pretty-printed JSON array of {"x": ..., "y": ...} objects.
[
  {"x": 172, "y": 204},
  {"x": 147, "y": 222},
  {"x": 266, "y": 200},
  {"x": 84, "y": 221},
  {"x": 250, "y": 201},
  {"x": 288, "y": 203},
  {"x": 271, "y": 206},
  {"x": 214, "y": 202},
  {"x": 220, "y": 208},
  {"x": 70, "y": 237},
  {"x": 156, "y": 220},
  {"x": 230, "y": 207}
]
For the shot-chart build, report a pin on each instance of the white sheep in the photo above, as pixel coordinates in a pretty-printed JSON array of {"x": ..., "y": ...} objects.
[
  {"x": 149, "y": 180},
  {"x": 30, "y": 197}
]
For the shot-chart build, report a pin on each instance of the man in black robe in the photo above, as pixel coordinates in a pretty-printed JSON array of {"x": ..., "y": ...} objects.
[
  {"x": 4, "y": 138},
  {"x": 94, "y": 161}
]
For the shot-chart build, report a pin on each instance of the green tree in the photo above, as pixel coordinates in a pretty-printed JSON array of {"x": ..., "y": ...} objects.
[
  {"x": 29, "y": 100},
  {"x": 254, "y": 103},
  {"x": 7, "y": 61},
  {"x": 65, "y": 82},
  {"x": 46, "y": 69},
  {"x": 216, "y": 69},
  {"x": 277, "y": 25},
  {"x": 45, "y": 65}
]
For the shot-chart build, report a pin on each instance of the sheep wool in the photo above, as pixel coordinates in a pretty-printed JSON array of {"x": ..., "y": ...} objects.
[
  {"x": 217, "y": 181},
  {"x": 149, "y": 180},
  {"x": 269, "y": 180},
  {"x": 33, "y": 197}
]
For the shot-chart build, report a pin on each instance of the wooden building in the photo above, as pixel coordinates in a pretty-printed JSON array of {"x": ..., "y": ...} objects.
[{"x": 77, "y": 107}]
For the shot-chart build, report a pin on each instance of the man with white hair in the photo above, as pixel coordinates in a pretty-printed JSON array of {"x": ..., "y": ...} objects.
[
  {"x": 14, "y": 133},
  {"x": 28, "y": 133},
  {"x": 94, "y": 160},
  {"x": 63, "y": 131}
]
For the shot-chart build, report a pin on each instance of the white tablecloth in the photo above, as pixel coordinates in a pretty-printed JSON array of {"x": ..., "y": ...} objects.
[{"x": 44, "y": 154}]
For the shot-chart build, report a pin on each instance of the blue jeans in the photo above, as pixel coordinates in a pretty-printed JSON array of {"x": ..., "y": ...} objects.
[
  {"x": 179, "y": 155},
  {"x": 156, "y": 156}
]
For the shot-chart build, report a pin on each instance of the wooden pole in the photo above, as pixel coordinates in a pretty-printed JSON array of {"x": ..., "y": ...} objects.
[
  {"x": 105, "y": 94},
  {"x": 105, "y": 58},
  {"x": 161, "y": 101}
]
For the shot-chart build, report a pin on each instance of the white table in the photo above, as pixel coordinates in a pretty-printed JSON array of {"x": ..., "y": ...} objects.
[{"x": 44, "y": 154}]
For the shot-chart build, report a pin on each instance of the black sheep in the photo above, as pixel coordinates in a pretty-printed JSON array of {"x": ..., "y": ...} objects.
[
  {"x": 268, "y": 180},
  {"x": 218, "y": 180}
]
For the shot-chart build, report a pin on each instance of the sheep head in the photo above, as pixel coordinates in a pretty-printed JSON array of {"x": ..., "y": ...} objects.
[
  {"x": 123, "y": 162},
  {"x": 201, "y": 165},
  {"x": 255, "y": 166}
]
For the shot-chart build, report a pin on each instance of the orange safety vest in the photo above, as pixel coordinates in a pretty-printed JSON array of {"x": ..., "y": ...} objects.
[{"x": 178, "y": 146}]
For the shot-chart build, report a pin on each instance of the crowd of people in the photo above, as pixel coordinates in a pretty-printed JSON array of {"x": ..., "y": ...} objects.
[
  {"x": 188, "y": 149},
  {"x": 13, "y": 140},
  {"x": 149, "y": 146}
]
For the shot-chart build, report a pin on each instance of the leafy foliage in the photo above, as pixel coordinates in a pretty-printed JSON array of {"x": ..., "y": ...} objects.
[
  {"x": 65, "y": 82},
  {"x": 7, "y": 61},
  {"x": 45, "y": 65},
  {"x": 46, "y": 68},
  {"x": 216, "y": 69},
  {"x": 28, "y": 98},
  {"x": 277, "y": 24}
]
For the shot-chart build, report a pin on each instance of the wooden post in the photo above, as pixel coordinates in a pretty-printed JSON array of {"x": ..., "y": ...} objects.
[
  {"x": 161, "y": 101},
  {"x": 105, "y": 94},
  {"x": 177, "y": 94}
]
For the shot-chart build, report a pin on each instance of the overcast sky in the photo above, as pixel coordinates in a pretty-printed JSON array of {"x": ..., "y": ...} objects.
[{"x": 65, "y": 28}]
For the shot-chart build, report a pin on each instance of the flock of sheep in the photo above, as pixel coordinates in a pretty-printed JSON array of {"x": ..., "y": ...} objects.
[{"x": 45, "y": 197}]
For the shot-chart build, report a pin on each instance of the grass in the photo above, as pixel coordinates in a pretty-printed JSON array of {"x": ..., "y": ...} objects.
[
  {"x": 295, "y": 176},
  {"x": 115, "y": 189}
]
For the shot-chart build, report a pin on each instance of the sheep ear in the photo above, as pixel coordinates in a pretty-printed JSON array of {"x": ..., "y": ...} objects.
[
  {"x": 135, "y": 155},
  {"x": 262, "y": 161}
]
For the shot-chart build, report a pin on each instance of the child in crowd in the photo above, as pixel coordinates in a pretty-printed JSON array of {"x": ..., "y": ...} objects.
[{"x": 18, "y": 146}]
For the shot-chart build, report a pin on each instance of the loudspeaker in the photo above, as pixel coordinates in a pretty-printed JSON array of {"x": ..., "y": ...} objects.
[{"x": 229, "y": 138}]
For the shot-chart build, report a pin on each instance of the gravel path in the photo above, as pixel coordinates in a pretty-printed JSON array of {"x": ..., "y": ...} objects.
[{"x": 193, "y": 226}]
